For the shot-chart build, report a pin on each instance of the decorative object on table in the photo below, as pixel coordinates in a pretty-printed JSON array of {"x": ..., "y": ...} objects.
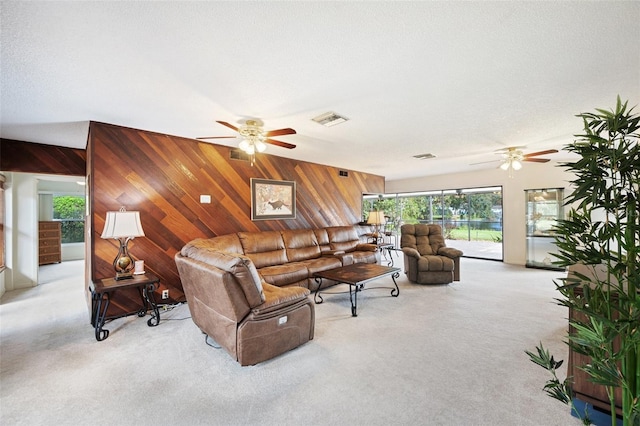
[
  {"x": 139, "y": 267},
  {"x": 376, "y": 219},
  {"x": 123, "y": 226},
  {"x": 273, "y": 199},
  {"x": 254, "y": 138},
  {"x": 600, "y": 244}
]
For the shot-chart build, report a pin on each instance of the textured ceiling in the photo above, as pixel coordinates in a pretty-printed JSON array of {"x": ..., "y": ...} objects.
[{"x": 456, "y": 79}]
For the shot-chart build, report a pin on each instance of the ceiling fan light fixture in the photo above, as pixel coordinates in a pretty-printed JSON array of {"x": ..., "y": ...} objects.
[
  {"x": 505, "y": 166},
  {"x": 260, "y": 146},
  {"x": 244, "y": 145},
  {"x": 516, "y": 165}
]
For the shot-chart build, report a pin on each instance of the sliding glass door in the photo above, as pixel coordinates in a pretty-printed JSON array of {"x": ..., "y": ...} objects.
[{"x": 471, "y": 218}]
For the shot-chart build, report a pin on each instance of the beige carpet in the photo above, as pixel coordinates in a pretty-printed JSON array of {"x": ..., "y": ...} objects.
[{"x": 436, "y": 355}]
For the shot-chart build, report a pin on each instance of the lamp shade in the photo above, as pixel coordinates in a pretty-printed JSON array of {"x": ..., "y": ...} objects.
[
  {"x": 122, "y": 224},
  {"x": 376, "y": 218}
]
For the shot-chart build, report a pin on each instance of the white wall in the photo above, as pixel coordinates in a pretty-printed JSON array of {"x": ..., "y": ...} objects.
[
  {"x": 21, "y": 231},
  {"x": 531, "y": 176}
]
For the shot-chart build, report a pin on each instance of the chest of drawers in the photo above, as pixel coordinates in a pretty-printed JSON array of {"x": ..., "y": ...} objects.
[{"x": 49, "y": 247}]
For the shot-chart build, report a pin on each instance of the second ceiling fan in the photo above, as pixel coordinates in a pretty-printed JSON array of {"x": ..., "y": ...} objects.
[{"x": 513, "y": 157}]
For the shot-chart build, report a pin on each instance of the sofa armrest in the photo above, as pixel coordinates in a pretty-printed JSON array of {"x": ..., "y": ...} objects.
[
  {"x": 450, "y": 252},
  {"x": 411, "y": 252},
  {"x": 277, "y": 298},
  {"x": 366, "y": 247}
]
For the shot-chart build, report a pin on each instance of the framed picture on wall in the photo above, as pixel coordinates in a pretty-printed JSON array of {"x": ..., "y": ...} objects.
[{"x": 273, "y": 199}]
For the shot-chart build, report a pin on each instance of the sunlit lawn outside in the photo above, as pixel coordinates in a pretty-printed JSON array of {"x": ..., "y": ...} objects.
[{"x": 462, "y": 233}]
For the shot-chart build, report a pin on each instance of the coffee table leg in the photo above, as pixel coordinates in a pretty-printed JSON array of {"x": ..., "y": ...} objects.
[
  {"x": 353, "y": 296},
  {"x": 395, "y": 291},
  {"x": 317, "y": 296}
]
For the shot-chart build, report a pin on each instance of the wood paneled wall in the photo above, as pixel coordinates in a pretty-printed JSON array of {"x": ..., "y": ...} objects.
[
  {"x": 26, "y": 157},
  {"x": 163, "y": 177}
]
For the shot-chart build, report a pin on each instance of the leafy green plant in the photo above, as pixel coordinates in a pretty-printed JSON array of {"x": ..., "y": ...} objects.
[{"x": 602, "y": 230}]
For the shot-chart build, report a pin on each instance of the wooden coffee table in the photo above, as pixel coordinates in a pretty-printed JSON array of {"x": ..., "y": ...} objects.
[{"x": 356, "y": 276}]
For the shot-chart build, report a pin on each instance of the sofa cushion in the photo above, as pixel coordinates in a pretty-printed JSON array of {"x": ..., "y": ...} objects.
[
  {"x": 228, "y": 243},
  {"x": 323, "y": 239},
  {"x": 287, "y": 274},
  {"x": 263, "y": 248},
  {"x": 343, "y": 238},
  {"x": 240, "y": 266},
  {"x": 362, "y": 256},
  {"x": 322, "y": 264},
  {"x": 301, "y": 244},
  {"x": 435, "y": 263}
]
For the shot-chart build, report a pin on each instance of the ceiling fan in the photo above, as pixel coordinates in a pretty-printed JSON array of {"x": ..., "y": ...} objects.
[
  {"x": 254, "y": 137},
  {"x": 513, "y": 157}
]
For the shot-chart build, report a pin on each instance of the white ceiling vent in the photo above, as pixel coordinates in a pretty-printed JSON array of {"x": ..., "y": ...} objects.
[
  {"x": 329, "y": 119},
  {"x": 424, "y": 156}
]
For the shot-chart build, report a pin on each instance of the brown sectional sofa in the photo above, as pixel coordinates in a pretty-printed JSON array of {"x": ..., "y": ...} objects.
[{"x": 248, "y": 291}]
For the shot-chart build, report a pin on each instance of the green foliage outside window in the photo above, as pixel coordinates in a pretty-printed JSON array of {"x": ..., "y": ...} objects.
[
  {"x": 70, "y": 210},
  {"x": 473, "y": 216}
]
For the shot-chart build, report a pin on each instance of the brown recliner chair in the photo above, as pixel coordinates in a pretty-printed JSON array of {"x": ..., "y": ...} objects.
[
  {"x": 427, "y": 260},
  {"x": 251, "y": 319}
]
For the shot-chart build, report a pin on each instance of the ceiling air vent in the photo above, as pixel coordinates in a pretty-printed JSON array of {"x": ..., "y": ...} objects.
[
  {"x": 424, "y": 156},
  {"x": 238, "y": 154},
  {"x": 343, "y": 173},
  {"x": 329, "y": 119}
]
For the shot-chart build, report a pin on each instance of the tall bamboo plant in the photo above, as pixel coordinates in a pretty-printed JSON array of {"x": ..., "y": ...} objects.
[{"x": 602, "y": 229}]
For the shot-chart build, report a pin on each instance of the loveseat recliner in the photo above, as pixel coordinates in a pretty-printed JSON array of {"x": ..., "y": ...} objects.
[{"x": 427, "y": 260}]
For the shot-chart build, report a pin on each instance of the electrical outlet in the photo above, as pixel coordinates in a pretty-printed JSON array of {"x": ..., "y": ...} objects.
[{"x": 165, "y": 294}]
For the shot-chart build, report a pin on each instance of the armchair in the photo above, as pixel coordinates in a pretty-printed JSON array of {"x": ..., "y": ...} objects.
[{"x": 427, "y": 260}]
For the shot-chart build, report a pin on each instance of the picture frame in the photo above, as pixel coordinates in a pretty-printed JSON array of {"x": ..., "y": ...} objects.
[{"x": 273, "y": 199}]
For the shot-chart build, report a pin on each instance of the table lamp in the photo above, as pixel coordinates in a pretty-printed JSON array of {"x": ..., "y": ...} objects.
[
  {"x": 376, "y": 218},
  {"x": 123, "y": 226}
]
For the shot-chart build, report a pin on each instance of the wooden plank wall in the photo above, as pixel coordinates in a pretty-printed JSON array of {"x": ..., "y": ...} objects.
[
  {"x": 26, "y": 157},
  {"x": 163, "y": 177}
]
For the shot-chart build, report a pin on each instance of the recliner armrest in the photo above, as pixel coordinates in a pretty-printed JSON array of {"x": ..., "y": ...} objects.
[
  {"x": 277, "y": 298},
  {"x": 450, "y": 252},
  {"x": 411, "y": 252}
]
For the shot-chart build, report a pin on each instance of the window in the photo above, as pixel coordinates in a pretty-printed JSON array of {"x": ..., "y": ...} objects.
[
  {"x": 70, "y": 210},
  {"x": 471, "y": 217}
]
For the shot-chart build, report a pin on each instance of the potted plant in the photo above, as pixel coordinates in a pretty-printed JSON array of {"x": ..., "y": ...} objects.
[{"x": 602, "y": 232}]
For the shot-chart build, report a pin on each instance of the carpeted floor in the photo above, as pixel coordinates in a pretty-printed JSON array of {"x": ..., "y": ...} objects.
[{"x": 436, "y": 355}]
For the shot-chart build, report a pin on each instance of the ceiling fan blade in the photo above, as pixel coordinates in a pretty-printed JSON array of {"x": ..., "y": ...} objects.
[
  {"x": 537, "y": 160},
  {"x": 280, "y": 132},
  {"x": 535, "y": 154},
  {"x": 485, "y": 162},
  {"x": 218, "y": 137},
  {"x": 278, "y": 143},
  {"x": 231, "y": 126}
]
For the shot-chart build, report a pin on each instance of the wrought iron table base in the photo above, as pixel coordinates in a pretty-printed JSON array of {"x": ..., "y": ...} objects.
[
  {"x": 101, "y": 301},
  {"x": 354, "y": 289}
]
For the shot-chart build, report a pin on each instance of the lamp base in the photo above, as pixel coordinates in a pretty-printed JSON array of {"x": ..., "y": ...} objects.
[{"x": 123, "y": 276}]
